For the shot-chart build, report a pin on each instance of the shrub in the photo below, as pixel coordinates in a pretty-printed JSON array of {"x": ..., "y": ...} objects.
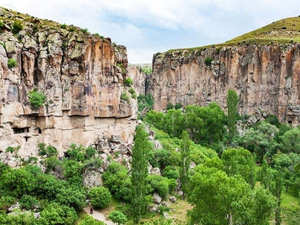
[
  {"x": 122, "y": 67},
  {"x": 178, "y": 105},
  {"x": 145, "y": 101},
  {"x": 88, "y": 220},
  {"x": 159, "y": 185},
  {"x": 28, "y": 202},
  {"x": 100, "y": 197},
  {"x": 118, "y": 217},
  {"x": 12, "y": 149},
  {"x": 128, "y": 82},
  {"x": 171, "y": 172},
  {"x": 17, "y": 27},
  {"x": 208, "y": 61},
  {"x": 63, "y": 26},
  {"x": 117, "y": 180},
  {"x": 36, "y": 98},
  {"x": 85, "y": 31},
  {"x": 131, "y": 91},
  {"x": 125, "y": 97},
  {"x": 58, "y": 214},
  {"x": 12, "y": 63},
  {"x": 47, "y": 150},
  {"x": 71, "y": 29},
  {"x": 170, "y": 106},
  {"x": 134, "y": 96},
  {"x": 1, "y": 25}
]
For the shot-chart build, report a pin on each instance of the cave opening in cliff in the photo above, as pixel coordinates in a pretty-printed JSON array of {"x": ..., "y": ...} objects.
[
  {"x": 39, "y": 130},
  {"x": 20, "y": 130},
  {"x": 290, "y": 122}
]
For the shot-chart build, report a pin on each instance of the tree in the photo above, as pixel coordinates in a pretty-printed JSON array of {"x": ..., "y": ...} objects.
[
  {"x": 139, "y": 172},
  {"x": 185, "y": 160},
  {"x": 118, "y": 217},
  {"x": 239, "y": 162},
  {"x": 58, "y": 214},
  {"x": 116, "y": 179},
  {"x": 260, "y": 140},
  {"x": 36, "y": 98},
  {"x": 220, "y": 199},
  {"x": 291, "y": 141},
  {"x": 232, "y": 102},
  {"x": 88, "y": 220},
  {"x": 100, "y": 197}
]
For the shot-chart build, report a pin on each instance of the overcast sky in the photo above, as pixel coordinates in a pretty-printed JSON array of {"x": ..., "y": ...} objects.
[{"x": 149, "y": 26}]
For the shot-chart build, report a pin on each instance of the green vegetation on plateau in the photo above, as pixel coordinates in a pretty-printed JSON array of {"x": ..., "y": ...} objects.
[{"x": 285, "y": 31}]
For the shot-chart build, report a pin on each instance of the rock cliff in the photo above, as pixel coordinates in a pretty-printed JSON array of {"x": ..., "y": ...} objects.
[
  {"x": 265, "y": 76},
  {"x": 80, "y": 74}
]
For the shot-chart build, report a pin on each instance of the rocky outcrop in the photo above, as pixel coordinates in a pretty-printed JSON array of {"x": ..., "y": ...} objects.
[
  {"x": 81, "y": 75},
  {"x": 266, "y": 78},
  {"x": 139, "y": 79}
]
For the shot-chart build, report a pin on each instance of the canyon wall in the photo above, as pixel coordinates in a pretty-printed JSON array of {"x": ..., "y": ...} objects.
[
  {"x": 81, "y": 75},
  {"x": 266, "y": 78}
]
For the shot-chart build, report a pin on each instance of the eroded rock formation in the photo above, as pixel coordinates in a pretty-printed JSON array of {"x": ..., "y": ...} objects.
[
  {"x": 266, "y": 78},
  {"x": 80, "y": 74}
]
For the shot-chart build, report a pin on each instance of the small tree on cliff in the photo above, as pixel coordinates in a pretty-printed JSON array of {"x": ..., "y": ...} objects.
[
  {"x": 232, "y": 102},
  {"x": 139, "y": 172}
]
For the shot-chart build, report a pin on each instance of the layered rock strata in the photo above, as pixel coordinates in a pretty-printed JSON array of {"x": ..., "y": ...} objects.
[
  {"x": 80, "y": 74},
  {"x": 266, "y": 78}
]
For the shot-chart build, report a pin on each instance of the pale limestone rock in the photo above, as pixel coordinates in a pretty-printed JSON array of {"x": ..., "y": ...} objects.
[
  {"x": 77, "y": 73},
  {"x": 156, "y": 199},
  {"x": 264, "y": 77},
  {"x": 173, "y": 199}
]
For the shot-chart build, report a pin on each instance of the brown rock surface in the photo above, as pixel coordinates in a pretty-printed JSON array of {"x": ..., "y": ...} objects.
[
  {"x": 266, "y": 78},
  {"x": 78, "y": 72}
]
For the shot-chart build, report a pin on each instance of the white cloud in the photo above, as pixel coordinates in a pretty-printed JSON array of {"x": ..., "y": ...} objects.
[{"x": 144, "y": 26}]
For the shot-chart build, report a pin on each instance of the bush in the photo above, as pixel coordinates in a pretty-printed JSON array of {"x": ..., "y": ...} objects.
[
  {"x": 178, "y": 105},
  {"x": 58, "y": 214},
  {"x": 12, "y": 63},
  {"x": 1, "y": 25},
  {"x": 71, "y": 29},
  {"x": 171, "y": 172},
  {"x": 159, "y": 185},
  {"x": 88, "y": 220},
  {"x": 85, "y": 31},
  {"x": 118, "y": 217},
  {"x": 100, "y": 197},
  {"x": 28, "y": 202},
  {"x": 125, "y": 97},
  {"x": 131, "y": 91},
  {"x": 117, "y": 180},
  {"x": 145, "y": 101},
  {"x": 36, "y": 98},
  {"x": 208, "y": 61},
  {"x": 47, "y": 150},
  {"x": 128, "y": 82},
  {"x": 17, "y": 27},
  {"x": 63, "y": 26},
  {"x": 170, "y": 106}
]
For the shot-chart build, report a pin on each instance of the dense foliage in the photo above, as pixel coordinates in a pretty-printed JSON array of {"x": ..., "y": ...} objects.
[
  {"x": 57, "y": 197},
  {"x": 36, "y": 98},
  {"x": 228, "y": 175}
]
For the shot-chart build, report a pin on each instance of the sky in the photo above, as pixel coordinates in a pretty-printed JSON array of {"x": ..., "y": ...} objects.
[{"x": 146, "y": 27}]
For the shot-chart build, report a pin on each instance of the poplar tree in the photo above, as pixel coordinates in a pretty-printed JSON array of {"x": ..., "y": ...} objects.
[
  {"x": 185, "y": 160},
  {"x": 139, "y": 172},
  {"x": 232, "y": 102}
]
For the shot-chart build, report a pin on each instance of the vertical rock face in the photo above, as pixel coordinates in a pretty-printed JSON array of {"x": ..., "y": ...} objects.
[
  {"x": 266, "y": 78},
  {"x": 80, "y": 74}
]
